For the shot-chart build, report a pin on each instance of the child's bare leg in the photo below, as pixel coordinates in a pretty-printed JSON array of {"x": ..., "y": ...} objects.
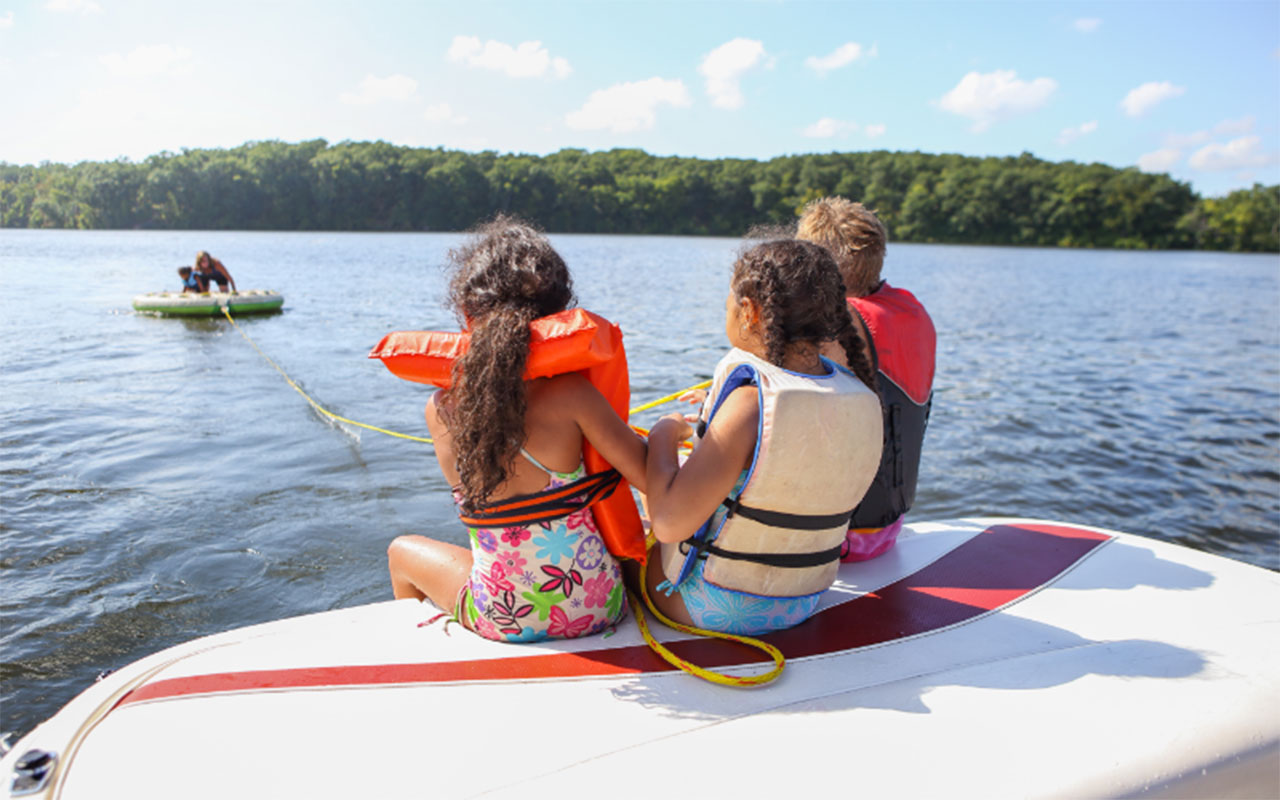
[
  {"x": 422, "y": 567},
  {"x": 673, "y": 606}
]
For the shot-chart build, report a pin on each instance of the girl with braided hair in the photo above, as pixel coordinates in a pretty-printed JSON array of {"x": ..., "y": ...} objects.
[
  {"x": 500, "y": 437},
  {"x": 750, "y": 527}
]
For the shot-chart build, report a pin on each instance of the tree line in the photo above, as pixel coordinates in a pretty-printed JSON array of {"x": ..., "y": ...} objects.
[{"x": 376, "y": 186}]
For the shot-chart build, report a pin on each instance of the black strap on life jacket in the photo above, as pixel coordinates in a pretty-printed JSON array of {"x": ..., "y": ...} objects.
[
  {"x": 791, "y": 560},
  {"x": 776, "y": 519},
  {"x": 546, "y": 505},
  {"x": 780, "y": 519}
]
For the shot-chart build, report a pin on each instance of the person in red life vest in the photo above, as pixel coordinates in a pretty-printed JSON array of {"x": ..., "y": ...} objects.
[
  {"x": 210, "y": 270},
  {"x": 508, "y": 443},
  {"x": 900, "y": 341}
]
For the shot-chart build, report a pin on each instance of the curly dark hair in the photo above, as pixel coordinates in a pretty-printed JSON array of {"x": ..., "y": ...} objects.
[
  {"x": 505, "y": 276},
  {"x": 801, "y": 297}
]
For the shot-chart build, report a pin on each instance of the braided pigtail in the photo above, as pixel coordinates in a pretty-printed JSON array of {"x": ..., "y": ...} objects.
[
  {"x": 773, "y": 314},
  {"x": 847, "y": 335}
]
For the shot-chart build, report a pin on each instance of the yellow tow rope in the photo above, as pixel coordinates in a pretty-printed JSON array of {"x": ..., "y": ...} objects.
[
  {"x": 226, "y": 312},
  {"x": 669, "y": 398},
  {"x": 779, "y": 661}
]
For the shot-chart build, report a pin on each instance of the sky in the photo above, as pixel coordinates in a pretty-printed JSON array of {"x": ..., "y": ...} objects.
[{"x": 1187, "y": 88}]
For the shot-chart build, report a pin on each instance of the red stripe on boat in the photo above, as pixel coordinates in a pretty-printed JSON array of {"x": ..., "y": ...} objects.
[{"x": 1002, "y": 564}]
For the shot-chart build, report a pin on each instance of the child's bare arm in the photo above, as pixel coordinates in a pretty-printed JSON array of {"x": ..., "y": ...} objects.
[
  {"x": 681, "y": 498},
  {"x": 445, "y": 455},
  {"x": 607, "y": 433}
]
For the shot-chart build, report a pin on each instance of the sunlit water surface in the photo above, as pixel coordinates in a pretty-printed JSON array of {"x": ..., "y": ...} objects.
[{"x": 160, "y": 481}]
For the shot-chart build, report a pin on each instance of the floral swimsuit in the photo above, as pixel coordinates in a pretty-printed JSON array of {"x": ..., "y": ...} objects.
[{"x": 547, "y": 580}]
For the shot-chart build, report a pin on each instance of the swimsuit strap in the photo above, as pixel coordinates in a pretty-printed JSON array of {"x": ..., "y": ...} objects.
[{"x": 535, "y": 462}]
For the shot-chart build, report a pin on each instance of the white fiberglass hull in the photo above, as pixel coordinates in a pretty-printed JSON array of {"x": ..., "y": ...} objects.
[{"x": 980, "y": 658}]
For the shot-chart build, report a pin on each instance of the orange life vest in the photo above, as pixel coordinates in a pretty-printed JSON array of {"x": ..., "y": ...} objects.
[{"x": 568, "y": 341}]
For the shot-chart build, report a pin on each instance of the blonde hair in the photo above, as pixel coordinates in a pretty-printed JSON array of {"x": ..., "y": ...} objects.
[{"x": 853, "y": 234}]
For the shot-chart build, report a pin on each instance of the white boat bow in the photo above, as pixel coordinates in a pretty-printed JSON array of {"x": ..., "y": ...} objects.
[{"x": 980, "y": 658}]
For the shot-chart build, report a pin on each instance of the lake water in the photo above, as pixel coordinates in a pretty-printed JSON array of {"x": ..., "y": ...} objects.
[{"x": 160, "y": 481}]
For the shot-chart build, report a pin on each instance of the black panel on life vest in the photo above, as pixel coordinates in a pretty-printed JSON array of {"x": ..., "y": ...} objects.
[{"x": 894, "y": 488}]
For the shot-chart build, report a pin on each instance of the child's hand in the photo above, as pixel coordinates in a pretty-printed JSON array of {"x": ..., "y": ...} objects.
[
  {"x": 677, "y": 424},
  {"x": 694, "y": 396}
]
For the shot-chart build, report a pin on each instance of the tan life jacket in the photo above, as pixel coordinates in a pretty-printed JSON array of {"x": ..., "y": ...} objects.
[{"x": 818, "y": 446}]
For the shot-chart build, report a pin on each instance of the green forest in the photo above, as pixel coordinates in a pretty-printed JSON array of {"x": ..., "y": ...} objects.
[{"x": 376, "y": 186}]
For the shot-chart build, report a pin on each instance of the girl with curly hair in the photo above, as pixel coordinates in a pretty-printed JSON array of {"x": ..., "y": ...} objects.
[
  {"x": 499, "y": 436},
  {"x": 750, "y": 527}
]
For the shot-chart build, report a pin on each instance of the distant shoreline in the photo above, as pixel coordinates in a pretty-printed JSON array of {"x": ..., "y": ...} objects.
[{"x": 378, "y": 187}]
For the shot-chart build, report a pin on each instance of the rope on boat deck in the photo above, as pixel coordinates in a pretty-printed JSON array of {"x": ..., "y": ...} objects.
[
  {"x": 685, "y": 665},
  {"x": 226, "y": 312}
]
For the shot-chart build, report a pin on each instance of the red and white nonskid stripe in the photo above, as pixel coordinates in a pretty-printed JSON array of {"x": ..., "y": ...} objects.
[{"x": 999, "y": 566}]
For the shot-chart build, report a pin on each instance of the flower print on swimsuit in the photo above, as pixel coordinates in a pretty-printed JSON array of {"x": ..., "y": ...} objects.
[
  {"x": 486, "y": 540},
  {"x": 616, "y": 603},
  {"x": 732, "y": 612},
  {"x": 582, "y": 518},
  {"x": 512, "y": 563},
  {"x": 526, "y": 636},
  {"x": 561, "y": 580},
  {"x": 561, "y": 625},
  {"x": 514, "y": 536},
  {"x": 789, "y": 613},
  {"x": 555, "y": 544},
  {"x": 590, "y": 552},
  {"x": 543, "y": 602},
  {"x": 479, "y": 594},
  {"x": 495, "y": 580},
  {"x": 506, "y": 613},
  {"x": 597, "y": 590},
  {"x": 485, "y": 628}
]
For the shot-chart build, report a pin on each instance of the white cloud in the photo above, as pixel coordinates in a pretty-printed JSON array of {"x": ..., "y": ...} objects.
[
  {"x": 1147, "y": 96},
  {"x": 1234, "y": 127},
  {"x": 74, "y": 6},
  {"x": 1069, "y": 135},
  {"x": 873, "y": 131},
  {"x": 627, "y": 107},
  {"x": 1180, "y": 140},
  {"x": 147, "y": 60},
  {"x": 442, "y": 112},
  {"x": 1228, "y": 127},
  {"x": 1087, "y": 24},
  {"x": 827, "y": 128},
  {"x": 996, "y": 95},
  {"x": 1159, "y": 161},
  {"x": 1235, "y": 154},
  {"x": 843, "y": 55},
  {"x": 393, "y": 88},
  {"x": 724, "y": 67},
  {"x": 525, "y": 60},
  {"x": 7, "y": 20}
]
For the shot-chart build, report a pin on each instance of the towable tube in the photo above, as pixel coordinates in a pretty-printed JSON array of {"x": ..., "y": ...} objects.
[{"x": 573, "y": 340}]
